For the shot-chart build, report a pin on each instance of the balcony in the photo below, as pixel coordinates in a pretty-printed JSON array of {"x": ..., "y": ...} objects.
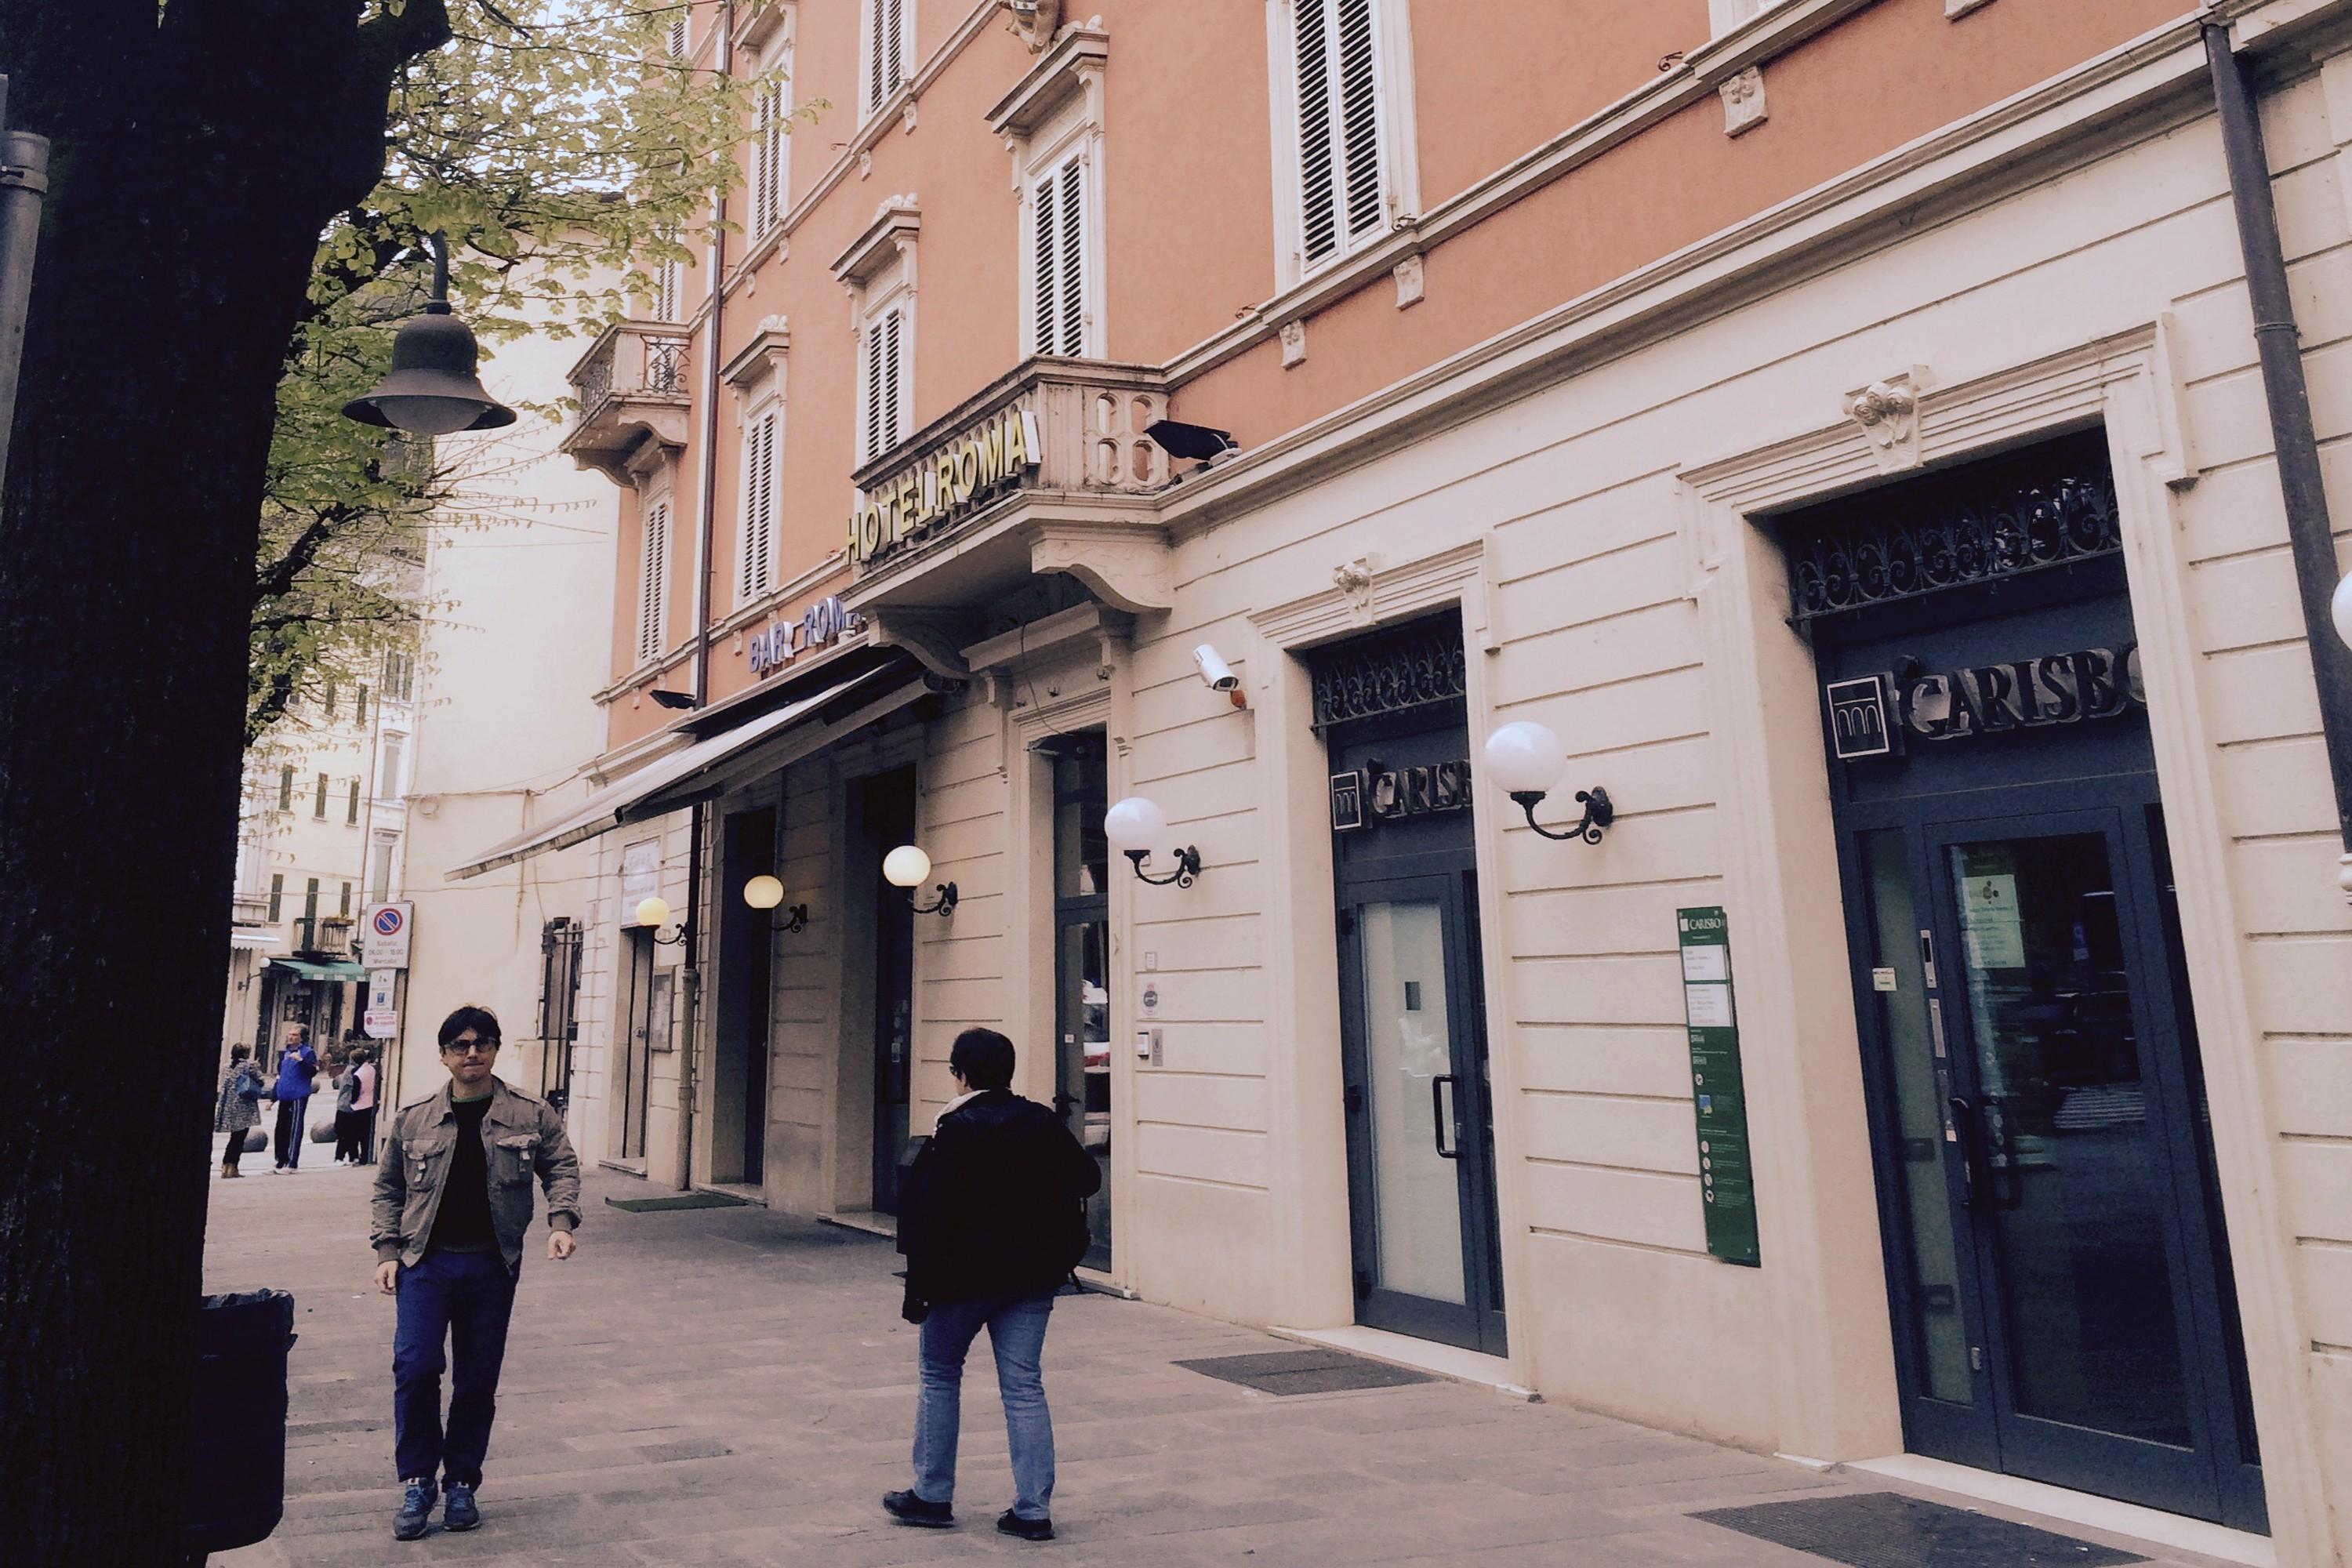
[
  {"x": 632, "y": 389},
  {"x": 324, "y": 936},
  {"x": 1047, "y": 469},
  {"x": 249, "y": 909}
]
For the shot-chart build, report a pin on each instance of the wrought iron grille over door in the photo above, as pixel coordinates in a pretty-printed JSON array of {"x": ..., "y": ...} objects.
[
  {"x": 2048, "y": 508},
  {"x": 1417, "y": 665}
]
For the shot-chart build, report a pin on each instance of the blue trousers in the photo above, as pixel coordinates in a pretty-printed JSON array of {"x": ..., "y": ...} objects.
[
  {"x": 467, "y": 1299},
  {"x": 1016, "y": 1332}
]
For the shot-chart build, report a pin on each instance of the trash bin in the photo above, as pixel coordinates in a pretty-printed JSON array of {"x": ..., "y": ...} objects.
[{"x": 237, "y": 1470}]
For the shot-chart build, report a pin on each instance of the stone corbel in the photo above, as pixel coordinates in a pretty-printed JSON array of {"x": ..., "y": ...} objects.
[
  {"x": 1411, "y": 281},
  {"x": 1356, "y": 580},
  {"x": 1743, "y": 101},
  {"x": 1035, "y": 22},
  {"x": 1124, "y": 568},
  {"x": 1888, "y": 413},
  {"x": 1293, "y": 333},
  {"x": 935, "y": 637}
]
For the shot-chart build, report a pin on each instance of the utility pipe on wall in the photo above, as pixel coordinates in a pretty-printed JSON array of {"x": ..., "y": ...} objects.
[{"x": 2310, "y": 535}]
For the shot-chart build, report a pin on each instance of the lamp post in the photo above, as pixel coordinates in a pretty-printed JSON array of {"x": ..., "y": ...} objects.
[{"x": 432, "y": 388}]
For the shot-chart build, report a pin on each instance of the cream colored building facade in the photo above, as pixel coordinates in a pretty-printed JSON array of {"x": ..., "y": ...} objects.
[{"x": 1620, "y": 508}]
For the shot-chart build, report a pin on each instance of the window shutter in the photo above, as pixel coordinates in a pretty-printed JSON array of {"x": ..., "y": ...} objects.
[
  {"x": 666, "y": 289},
  {"x": 286, "y": 789},
  {"x": 347, "y": 898},
  {"x": 890, "y": 398},
  {"x": 1074, "y": 259},
  {"x": 1049, "y": 295},
  {"x": 653, "y": 567},
  {"x": 677, "y": 35},
  {"x": 359, "y": 707},
  {"x": 277, "y": 895},
  {"x": 1342, "y": 191},
  {"x": 351, "y": 808},
  {"x": 882, "y": 385},
  {"x": 758, "y": 573},
  {"x": 329, "y": 700},
  {"x": 319, "y": 799},
  {"x": 768, "y": 187},
  {"x": 885, "y": 51}
]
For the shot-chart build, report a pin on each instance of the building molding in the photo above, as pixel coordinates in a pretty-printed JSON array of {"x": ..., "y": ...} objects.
[
  {"x": 1363, "y": 594},
  {"x": 932, "y": 637},
  {"x": 896, "y": 226},
  {"x": 1073, "y": 68},
  {"x": 1120, "y": 564}
]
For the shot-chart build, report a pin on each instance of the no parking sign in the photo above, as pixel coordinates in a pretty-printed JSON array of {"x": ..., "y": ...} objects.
[{"x": 385, "y": 931}]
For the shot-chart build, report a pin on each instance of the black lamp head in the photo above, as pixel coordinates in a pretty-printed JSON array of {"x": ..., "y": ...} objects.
[
  {"x": 1199, "y": 442},
  {"x": 432, "y": 388}
]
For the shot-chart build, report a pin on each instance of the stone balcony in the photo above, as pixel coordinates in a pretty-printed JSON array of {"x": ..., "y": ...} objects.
[
  {"x": 1046, "y": 469},
  {"x": 632, "y": 389}
]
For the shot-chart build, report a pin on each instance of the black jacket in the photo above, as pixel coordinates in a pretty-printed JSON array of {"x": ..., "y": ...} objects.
[{"x": 995, "y": 1203}]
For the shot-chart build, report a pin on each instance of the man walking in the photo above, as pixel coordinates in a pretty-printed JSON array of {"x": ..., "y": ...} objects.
[
  {"x": 992, "y": 1219},
  {"x": 297, "y": 1066},
  {"x": 452, "y": 1205}
]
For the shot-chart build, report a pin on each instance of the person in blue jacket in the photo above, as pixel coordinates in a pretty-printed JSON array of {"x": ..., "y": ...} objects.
[{"x": 298, "y": 1064}]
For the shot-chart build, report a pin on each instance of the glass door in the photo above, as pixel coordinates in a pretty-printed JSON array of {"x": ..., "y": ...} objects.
[
  {"x": 1082, "y": 965},
  {"x": 2066, "y": 1318},
  {"x": 1419, "y": 1127}
]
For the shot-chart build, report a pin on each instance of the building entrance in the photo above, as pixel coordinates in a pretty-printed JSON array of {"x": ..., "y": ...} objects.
[
  {"x": 1082, "y": 964},
  {"x": 886, "y": 816},
  {"x": 1421, "y": 1143},
  {"x": 2059, "y": 1274}
]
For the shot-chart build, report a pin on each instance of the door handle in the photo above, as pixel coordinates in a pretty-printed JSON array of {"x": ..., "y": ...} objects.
[
  {"x": 1964, "y": 1118},
  {"x": 1438, "y": 1117}
]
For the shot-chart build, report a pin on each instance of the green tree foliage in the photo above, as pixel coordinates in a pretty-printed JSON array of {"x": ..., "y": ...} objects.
[{"x": 559, "y": 148}]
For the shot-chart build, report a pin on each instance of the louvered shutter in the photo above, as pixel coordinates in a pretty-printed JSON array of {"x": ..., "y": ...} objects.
[
  {"x": 758, "y": 574},
  {"x": 883, "y": 343},
  {"x": 767, "y": 161},
  {"x": 1049, "y": 293},
  {"x": 891, "y": 404},
  {"x": 666, "y": 292},
  {"x": 652, "y": 568},
  {"x": 874, "y": 431},
  {"x": 677, "y": 39},
  {"x": 1061, "y": 260},
  {"x": 1342, "y": 188},
  {"x": 885, "y": 50}
]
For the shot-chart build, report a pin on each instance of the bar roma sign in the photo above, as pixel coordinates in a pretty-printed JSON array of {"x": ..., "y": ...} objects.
[
  {"x": 1870, "y": 715},
  {"x": 954, "y": 481}
]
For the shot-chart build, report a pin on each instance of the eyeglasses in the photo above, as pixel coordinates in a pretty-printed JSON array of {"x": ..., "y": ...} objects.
[{"x": 473, "y": 1048}]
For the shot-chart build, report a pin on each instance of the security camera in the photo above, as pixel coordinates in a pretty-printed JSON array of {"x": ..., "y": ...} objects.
[{"x": 1219, "y": 675}]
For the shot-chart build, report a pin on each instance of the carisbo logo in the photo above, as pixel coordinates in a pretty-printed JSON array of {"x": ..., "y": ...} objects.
[{"x": 1858, "y": 718}]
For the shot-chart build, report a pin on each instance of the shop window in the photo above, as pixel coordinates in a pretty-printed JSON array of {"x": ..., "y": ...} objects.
[
  {"x": 653, "y": 579},
  {"x": 758, "y": 573},
  {"x": 1061, "y": 255},
  {"x": 888, "y": 24},
  {"x": 883, "y": 397},
  {"x": 1340, "y": 84}
]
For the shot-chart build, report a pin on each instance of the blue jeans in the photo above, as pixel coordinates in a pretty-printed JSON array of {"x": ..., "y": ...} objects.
[
  {"x": 465, "y": 1297},
  {"x": 1016, "y": 1332}
]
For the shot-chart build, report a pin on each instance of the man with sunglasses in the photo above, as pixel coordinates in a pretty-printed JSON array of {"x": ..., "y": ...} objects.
[{"x": 452, "y": 1205}]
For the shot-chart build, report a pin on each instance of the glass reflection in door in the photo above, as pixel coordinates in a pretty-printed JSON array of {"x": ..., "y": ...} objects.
[{"x": 1414, "y": 1093}]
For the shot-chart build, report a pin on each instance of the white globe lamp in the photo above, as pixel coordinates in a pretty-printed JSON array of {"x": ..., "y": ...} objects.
[
  {"x": 1526, "y": 760},
  {"x": 653, "y": 911},
  {"x": 906, "y": 867},
  {"x": 763, "y": 892},
  {"x": 1135, "y": 825}
]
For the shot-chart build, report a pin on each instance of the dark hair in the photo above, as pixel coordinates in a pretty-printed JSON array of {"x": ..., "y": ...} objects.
[
  {"x": 481, "y": 1020},
  {"x": 239, "y": 1052},
  {"x": 984, "y": 1058}
]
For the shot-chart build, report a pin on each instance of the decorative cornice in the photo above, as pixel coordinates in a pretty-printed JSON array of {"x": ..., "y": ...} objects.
[
  {"x": 896, "y": 223},
  {"x": 761, "y": 358},
  {"x": 1059, "y": 76}
]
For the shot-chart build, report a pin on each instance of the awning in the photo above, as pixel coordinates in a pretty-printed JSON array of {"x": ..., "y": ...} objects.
[
  {"x": 337, "y": 970},
  {"x": 710, "y": 766}
]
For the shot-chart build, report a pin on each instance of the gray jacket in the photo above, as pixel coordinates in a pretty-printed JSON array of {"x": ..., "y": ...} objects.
[{"x": 521, "y": 1137}]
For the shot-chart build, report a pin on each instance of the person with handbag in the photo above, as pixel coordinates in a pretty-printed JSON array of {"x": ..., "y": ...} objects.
[
  {"x": 347, "y": 1094},
  {"x": 993, "y": 1220},
  {"x": 239, "y": 1108},
  {"x": 297, "y": 1066}
]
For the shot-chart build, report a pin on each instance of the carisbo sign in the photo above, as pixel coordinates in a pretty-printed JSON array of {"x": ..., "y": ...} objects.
[
  {"x": 1870, "y": 715},
  {"x": 1374, "y": 793},
  {"x": 1726, "y": 1176},
  {"x": 944, "y": 485}
]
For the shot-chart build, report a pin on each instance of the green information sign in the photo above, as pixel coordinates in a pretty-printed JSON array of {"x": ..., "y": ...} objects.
[{"x": 1726, "y": 1178}]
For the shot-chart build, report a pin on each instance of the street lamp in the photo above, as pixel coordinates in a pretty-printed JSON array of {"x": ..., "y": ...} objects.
[
  {"x": 765, "y": 892},
  {"x": 654, "y": 913},
  {"x": 1527, "y": 759},
  {"x": 907, "y": 867},
  {"x": 1133, "y": 827},
  {"x": 431, "y": 388}
]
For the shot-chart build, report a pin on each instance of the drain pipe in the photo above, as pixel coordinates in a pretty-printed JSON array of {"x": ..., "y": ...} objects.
[{"x": 2309, "y": 533}]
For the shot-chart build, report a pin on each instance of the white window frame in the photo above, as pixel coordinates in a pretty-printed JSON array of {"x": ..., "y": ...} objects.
[
  {"x": 1400, "y": 194},
  {"x": 874, "y": 16},
  {"x": 1725, "y": 15},
  {"x": 680, "y": 38},
  {"x": 762, "y": 496},
  {"x": 652, "y": 615},
  {"x": 894, "y": 300},
  {"x": 1075, "y": 141}
]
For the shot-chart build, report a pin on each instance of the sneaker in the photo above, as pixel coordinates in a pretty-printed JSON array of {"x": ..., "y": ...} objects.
[
  {"x": 908, "y": 1508},
  {"x": 415, "y": 1515},
  {"x": 1011, "y": 1523},
  {"x": 459, "y": 1512},
  {"x": 277, "y": 1170}
]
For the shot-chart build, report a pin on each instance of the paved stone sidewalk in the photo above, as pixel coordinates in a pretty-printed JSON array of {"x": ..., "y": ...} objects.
[{"x": 729, "y": 1386}]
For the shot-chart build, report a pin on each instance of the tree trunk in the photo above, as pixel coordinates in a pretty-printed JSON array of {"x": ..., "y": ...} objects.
[{"x": 195, "y": 162}]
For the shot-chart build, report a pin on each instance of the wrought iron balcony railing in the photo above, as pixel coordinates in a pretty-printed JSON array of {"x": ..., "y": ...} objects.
[{"x": 631, "y": 386}]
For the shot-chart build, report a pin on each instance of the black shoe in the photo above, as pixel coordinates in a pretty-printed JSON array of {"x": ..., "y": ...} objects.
[
  {"x": 459, "y": 1512},
  {"x": 1012, "y": 1523},
  {"x": 415, "y": 1515},
  {"x": 909, "y": 1508}
]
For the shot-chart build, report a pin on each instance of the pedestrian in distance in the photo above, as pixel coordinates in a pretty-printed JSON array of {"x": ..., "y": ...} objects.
[
  {"x": 993, "y": 1220},
  {"x": 452, "y": 1207},
  {"x": 364, "y": 1107},
  {"x": 347, "y": 1093},
  {"x": 297, "y": 1065},
  {"x": 240, "y": 1106}
]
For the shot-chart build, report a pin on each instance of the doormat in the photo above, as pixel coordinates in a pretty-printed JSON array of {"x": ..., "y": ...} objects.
[
  {"x": 682, "y": 1201},
  {"x": 1887, "y": 1529},
  {"x": 1304, "y": 1371}
]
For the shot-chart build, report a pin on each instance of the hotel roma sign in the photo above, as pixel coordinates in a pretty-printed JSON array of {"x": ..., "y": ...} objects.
[{"x": 943, "y": 486}]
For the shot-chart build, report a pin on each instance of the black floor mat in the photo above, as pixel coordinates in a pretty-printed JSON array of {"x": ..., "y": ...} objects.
[
  {"x": 681, "y": 1201},
  {"x": 1887, "y": 1529},
  {"x": 1304, "y": 1371}
]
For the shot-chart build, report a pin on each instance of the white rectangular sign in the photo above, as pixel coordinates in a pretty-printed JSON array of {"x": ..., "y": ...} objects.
[
  {"x": 380, "y": 1024},
  {"x": 384, "y": 934},
  {"x": 382, "y": 985}
]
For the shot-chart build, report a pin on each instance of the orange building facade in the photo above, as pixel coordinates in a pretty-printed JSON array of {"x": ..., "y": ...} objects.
[{"x": 1835, "y": 425}]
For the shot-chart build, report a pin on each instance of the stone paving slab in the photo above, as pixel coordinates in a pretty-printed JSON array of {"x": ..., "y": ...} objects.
[{"x": 728, "y": 1386}]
